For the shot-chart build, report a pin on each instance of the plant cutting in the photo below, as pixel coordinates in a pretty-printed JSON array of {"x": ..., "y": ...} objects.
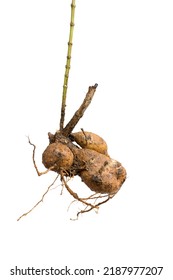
[{"x": 83, "y": 154}]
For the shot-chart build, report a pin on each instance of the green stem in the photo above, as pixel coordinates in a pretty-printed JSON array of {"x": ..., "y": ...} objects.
[{"x": 67, "y": 67}]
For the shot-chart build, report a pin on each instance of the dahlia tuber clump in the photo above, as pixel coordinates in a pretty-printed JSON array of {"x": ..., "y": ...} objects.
[
  {"x": 83, "y": 154},
  {"x": 98, "y": 171}
]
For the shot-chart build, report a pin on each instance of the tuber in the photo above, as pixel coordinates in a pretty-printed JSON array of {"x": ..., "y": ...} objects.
[
  {"x": 57, "y": 156},
  {"x": 102, "y": 174},
  {"x": 90, "y": 140}
]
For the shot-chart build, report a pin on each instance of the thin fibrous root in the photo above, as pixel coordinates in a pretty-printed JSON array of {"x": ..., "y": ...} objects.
[
  {"x": 33, "y": 158},
  {"x": 71, "y": 204},
  {"x": 96, "y": 206},
  {"x": 75, "y": 194},
  {"x": 41, "y": 200},
  {"x": 84, "y": 201},
  {"x": 95, "y": 196}
]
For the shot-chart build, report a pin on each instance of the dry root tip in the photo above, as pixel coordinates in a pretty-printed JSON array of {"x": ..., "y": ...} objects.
[{"x": 41, "y": 200}]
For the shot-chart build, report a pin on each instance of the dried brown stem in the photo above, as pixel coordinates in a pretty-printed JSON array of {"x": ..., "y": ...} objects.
[
  {"x": 41, "y": 200},
  {"x": 79, "y": 113}
]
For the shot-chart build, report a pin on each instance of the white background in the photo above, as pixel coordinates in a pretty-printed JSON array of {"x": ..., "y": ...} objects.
[{"x": 125, "y": 47}]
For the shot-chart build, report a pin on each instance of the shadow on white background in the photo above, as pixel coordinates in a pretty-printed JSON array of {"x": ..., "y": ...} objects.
[{"x": 125, "y": 47}]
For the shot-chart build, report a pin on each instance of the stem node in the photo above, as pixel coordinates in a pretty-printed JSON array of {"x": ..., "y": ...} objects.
[{"x": 67, "y": 67}]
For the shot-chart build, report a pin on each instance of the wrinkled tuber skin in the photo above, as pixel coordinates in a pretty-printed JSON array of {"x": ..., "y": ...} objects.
[
  {"x": 102, "y": 174},
  {"x": 57, "y": 155},
  {"x": 89, "y": 140}
]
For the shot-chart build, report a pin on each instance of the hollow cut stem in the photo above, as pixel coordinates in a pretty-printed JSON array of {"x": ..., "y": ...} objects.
[{"x": 68, "y": 64}]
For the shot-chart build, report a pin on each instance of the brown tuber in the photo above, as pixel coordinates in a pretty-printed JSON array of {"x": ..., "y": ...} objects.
[
  {"x": 57, "y": 156},
  {"x": 102, "y": 174},
  {"x": 90, "y": 140}
]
